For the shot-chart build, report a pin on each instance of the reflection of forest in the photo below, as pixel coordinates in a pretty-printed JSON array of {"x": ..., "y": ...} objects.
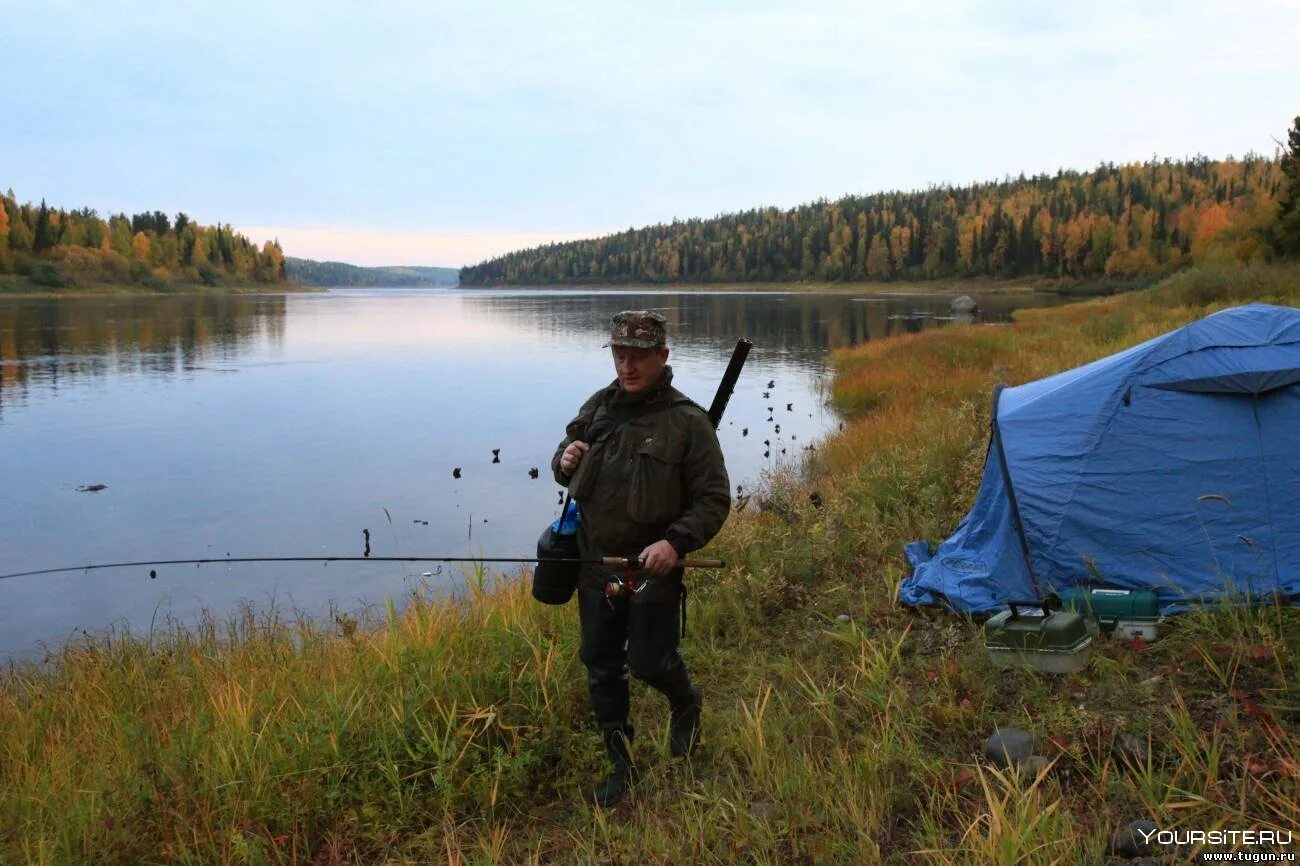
[
  {"x": 64, "y": 339},
  {"x": 58, "y": 340},
  {"x": 796, "y": 323}
]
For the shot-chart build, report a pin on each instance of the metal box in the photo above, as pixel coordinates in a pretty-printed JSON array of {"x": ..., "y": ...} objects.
[
  {"x": 1032, "y": 634},
  {"x": 1126, "y": 612}
]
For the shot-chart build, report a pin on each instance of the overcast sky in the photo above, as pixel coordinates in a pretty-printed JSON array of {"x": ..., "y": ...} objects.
[{"x": 440, "y": 134}]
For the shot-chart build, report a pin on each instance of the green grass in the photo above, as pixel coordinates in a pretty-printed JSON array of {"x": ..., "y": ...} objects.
[{"x": 458, "y": 730}]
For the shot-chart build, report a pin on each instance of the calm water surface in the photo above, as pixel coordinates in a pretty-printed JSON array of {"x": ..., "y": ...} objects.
[{"x": 285, "y": 425}]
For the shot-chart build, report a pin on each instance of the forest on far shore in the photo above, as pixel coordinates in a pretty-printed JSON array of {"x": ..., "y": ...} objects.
[
  {"x": 313, "y": 273},
  {"x": 58, "y": 249},
  {"x": 1119, "y": 222}
]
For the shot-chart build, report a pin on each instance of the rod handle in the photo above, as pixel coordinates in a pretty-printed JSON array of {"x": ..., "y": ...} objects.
[{"x": 621, "y": 561}]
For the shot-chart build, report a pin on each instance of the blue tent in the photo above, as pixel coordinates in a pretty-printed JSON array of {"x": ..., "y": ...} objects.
[{"x": 1172, "y": 466}]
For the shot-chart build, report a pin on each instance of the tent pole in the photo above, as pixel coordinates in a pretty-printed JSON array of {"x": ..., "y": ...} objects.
[{"x": 1011, "y": 490}]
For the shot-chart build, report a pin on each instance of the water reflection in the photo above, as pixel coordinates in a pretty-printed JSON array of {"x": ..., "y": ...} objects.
[
  {"x": 808, "y": 323},
  {"x": 57, "y": 340},
  {"x": 274, "y": 425}
]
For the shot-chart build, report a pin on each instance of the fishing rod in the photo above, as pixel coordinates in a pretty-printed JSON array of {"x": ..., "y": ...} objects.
[
  {"x": 607, "y": 561},
  {"x": 719, "y": 405}
]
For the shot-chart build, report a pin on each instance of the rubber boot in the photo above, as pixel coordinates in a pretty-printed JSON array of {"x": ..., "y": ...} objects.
[
  {"x": 624, "y": 775},
  {"x": 684, "y": 728}
]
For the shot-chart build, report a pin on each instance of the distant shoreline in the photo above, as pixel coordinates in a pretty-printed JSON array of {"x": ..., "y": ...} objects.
[
  {"x": 20, "y": 287},
  {"x": 971, "y": 285},
  {"x": 25, "y": 289}
]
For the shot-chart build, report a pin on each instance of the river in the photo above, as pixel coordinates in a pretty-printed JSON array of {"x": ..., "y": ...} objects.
[{"x": 279, "y": 425}]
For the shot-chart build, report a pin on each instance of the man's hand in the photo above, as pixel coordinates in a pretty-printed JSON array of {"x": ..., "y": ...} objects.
[
  {"x": 572, "y": 456},
  {"x": 659, "y": 558}
]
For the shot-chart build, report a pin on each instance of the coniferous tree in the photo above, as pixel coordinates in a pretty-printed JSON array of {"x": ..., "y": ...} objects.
[
  {"x": 1288, "y": 218},
  {"x": 43, "y": 232}
]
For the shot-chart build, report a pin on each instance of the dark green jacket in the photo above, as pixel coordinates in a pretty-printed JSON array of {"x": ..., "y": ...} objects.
[{"x": 660, "y": 475}]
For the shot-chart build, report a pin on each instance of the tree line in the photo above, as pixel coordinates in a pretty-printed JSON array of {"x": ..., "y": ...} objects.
[
  {"x": 60, "y": 248},
  {"x": 1116, "y": 221}
]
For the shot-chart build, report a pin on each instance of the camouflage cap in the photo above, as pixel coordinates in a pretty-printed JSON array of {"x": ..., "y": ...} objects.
[{"x": 639, "y": 328}]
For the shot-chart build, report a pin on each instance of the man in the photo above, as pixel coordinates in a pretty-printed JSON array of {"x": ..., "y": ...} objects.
[{"x": 645, "y": 466}]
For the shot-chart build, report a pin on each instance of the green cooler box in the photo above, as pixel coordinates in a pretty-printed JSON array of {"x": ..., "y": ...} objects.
[
  {"x": 1033, "y": 633},
  {"x": 1126, "y": 612}
]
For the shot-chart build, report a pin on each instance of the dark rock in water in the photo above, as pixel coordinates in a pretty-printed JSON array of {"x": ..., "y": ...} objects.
[
  {"x": 789, "y": 407},
  {"x": 496, "y": 455},
  {"x": 767, "y": 442},
  {"x": 767, "y": 453},
  {"x": 769, "y": 418},
  {"x": 771, "y": 384},
  {"x": 778, "y": 428},
  {"x": 532, "y": 473},
  {"x": 744, "y": 431},
  {"x": 1009, "y": 747},
  {"x": 1131, "y": 840},
  {"x": 455, "y": 473},
  {"x": 92, "y": 488},
  {"x": 767, "y": 395},
  {"x": 965, "y": 304},
  {"x": 740, "y": 488}
]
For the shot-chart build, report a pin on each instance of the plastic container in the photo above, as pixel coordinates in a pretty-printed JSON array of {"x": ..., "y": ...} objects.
[
  {"x": 1127, "y": 613},
  {"x": 1033, "y": 634}
]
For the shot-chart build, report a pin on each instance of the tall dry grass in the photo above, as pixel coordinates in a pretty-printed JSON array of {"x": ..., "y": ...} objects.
[{"x": 838, "y": 727}]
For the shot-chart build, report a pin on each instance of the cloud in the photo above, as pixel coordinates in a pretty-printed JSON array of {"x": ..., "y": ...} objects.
[
  {"x": 376, "y": 247},
  {"x": 530, "y": 117}
]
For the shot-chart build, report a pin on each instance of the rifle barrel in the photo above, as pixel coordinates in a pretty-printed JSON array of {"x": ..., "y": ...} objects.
[{"x": 728, "y": 383}]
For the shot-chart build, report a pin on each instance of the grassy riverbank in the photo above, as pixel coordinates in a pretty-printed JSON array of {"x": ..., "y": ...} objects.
[{"x": 838, "y": 728}]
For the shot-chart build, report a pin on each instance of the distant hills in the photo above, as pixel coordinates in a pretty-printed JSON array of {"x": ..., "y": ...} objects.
[{"x": 325, "y": 274}]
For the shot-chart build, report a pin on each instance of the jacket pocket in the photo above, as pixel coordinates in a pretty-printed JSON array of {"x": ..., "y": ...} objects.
[{"x": 654, "y": 492}]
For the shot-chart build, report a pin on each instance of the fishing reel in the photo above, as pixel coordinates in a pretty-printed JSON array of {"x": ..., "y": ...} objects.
[
  {"x": 626, "y": 587},
  {"x": 617, "y": 587}
]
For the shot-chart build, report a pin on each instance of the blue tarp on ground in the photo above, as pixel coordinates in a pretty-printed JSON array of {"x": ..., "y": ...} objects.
[{"x": 1172, "y": 466}]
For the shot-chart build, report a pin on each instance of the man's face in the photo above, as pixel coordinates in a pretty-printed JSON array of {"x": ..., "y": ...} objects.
[{"x": 638, "y": 369}]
